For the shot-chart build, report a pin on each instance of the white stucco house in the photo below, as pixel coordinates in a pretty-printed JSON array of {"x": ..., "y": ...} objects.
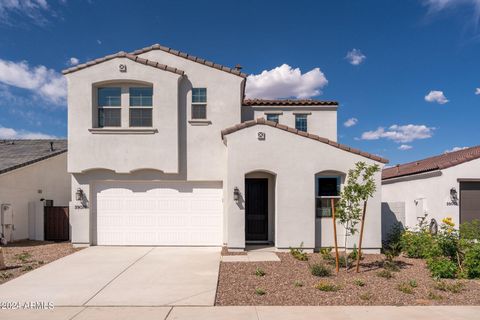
[
  {"x": 447, "y": 185},
  {"x": 164, "y": 149},
  {"x": 33, "y": 175}
]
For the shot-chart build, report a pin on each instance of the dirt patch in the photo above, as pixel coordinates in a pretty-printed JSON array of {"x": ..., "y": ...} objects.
[
  {"x": 225, "y": 252},
  {"x": 24, "y": 256},
  {"x": 289, "y": 282}
]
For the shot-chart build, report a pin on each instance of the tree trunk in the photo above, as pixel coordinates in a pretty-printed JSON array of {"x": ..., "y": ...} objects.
[
  {"x": 2, "y": 260},
  {"x": 345, "y": 249},
  {"x": 359, "y": 253},
  {"x": 335, "y": 234}
]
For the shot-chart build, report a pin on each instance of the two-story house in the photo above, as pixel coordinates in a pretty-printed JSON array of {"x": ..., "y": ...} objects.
[{"x": 164, "y": 149}]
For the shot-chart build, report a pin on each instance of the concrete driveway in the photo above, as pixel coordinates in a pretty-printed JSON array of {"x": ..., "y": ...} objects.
[{"x": 122, "y": 276}]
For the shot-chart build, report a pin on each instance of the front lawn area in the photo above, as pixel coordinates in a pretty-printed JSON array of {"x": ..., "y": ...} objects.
[
  {"x": 24, "y": 256},
  {"x": 290, "y": 282}
]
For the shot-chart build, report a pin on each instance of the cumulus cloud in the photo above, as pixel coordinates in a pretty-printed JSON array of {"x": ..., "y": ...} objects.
[
  {"x": 37, "y": 11},
  {"x": 10, "y": 133},
  {"x": 355, "y": 57},
  {"x": 400, "y": 134},
  {"x": 477, "y": 91},
  {"x": 350, "y": 122},
  {"x": 455, "y": 149},
  {"x": 40, "y": 81},
  {"x": 73, "y": 61},
  {"x": 436, "y": 96},
  {"x": 285, "y": 82},
  {"x": 404, "y": 147}
]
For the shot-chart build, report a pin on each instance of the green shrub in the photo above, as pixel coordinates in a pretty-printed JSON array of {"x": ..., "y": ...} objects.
[
  {"x": 420, "y": 244},
  {"x": 405, "y": 288},
  {"x": 298, "y": 253},
  {"x": 359, "y": 282},
  {"x": 413, "y": 283},
  {"x": 27, "y": 268},
  {"x": 327, "y": 286},
  {"x": 366, "y": 296},
  {"x": 472, "y": 261},
  {"x": 470, "y": 230},
  {"x": 320, "y": 270},
  {"x": 6, "y": 275},
  {"x": 326, "y": 254},
  {"x": 433, "y": 296},
  {"x": 442, "y": 267},
  {"x": 385, "y": 274},
  {"x": 23, "y": 257},
  {"x": 453, "y": 287},
  {"x": 259, "y": 272},
  {"x": 391, "y": 266},
  {"x": 260, "y": 291},
  {"x": 354, "y": 254}
]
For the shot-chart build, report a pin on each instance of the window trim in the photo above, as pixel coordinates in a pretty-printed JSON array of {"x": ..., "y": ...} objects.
[
  {"x": 203, "y": 103},
  {"x": 303, "y": 116},
  {"x": 339, "y": 179},
  {"x": 277, "y": 115}
]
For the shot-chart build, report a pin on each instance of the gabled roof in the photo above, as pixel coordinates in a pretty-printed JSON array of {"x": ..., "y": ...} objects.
[
  {"x": 288, "y": 102},
  {"x": 190, "y": 57},
  {"x": 15, "y": 154},
  {"x": 123, "y": 54},
  {"x": 439, "y": 162},
  {"x": 334, "y": 144}
]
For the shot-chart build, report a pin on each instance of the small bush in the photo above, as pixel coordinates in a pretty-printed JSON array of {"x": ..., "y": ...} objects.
[
  {"x": 40, "y": 262},
  {"x": 453, "y": 287},
  {"x": 354, "y": 254},
  {"x": 366, "y": 296},
  {"x": 326, "y": 254},
  {"x": 260, "y": 291},
  {"x": 419, "y": 244},
  {"x": 298, "y": 253},
  {"x": 405, "y": 288},
  {"x": 298, "y": 283},
  {"x": 27, "y": 268},
  {"x": 433, "y": 296},
  {"x": 327, "y": 287},
  {"x": 23, "y": 257},
  {"x": 6, "y": 275},
  {"x": 359, "y": 282},
  {"x": 391, "y": 266},
  {"x": 470, "y": 230},
  {"x": 442, "y": 267},
  {"x": 259, "y": 272},
  {"x": 413, "y": 283},
  {"x": 472, "y": 261},
  {"x": 385, "y": 274},
  {"x": 320, "y": 270}
]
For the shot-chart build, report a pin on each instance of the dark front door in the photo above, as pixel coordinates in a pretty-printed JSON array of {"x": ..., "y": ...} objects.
[
  {"x": 56, "y": 224},
  {"x": 256, "y": 209},
  {"x": 469, "y": 201}
]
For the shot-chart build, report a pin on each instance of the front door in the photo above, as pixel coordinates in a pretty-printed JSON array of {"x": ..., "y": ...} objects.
[{"x": 256, "y": 209}]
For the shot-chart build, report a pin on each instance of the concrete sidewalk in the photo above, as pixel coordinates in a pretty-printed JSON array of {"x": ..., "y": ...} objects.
[{"x": 248, "y": 313}]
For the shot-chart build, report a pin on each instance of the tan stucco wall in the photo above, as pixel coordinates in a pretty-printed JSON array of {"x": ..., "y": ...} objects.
[
  {"x": 21, "y": 186},
  {"x": 294, "y": 160},
  {"x": 434, "y": 188}
]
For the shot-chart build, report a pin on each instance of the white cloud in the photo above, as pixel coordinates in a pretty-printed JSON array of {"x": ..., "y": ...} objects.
[
  {"x": 404, "y": 147},
  {"x": 99, "y": 41},
  {"x": 436, "y": 6},
  {"x": 455, "y": 149},
  {"x": 477, "y": 91},
  {"x": 35, "y": 10},
  {"x": 9, "y": 133},
  {"x": 436, "y": 96},
  {"x": 400, "y": 134},
  {"x": 350, "y": 122},
  {"x": 73, "y": 61},
  {"x": 355, "y": 57},
  {"x": 46, "y": 83},
  {"x": 285, "y": 82}
]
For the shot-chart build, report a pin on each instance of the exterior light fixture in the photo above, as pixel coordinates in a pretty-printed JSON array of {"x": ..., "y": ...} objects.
[
  {"x": 79, "y": 194},
  {"x": 236, "y": 194}
]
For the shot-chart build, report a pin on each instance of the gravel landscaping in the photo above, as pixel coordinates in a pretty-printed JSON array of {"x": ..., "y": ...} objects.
[
  {"x": 24, "y": 256},
  {"x": 290, "y": 282}
]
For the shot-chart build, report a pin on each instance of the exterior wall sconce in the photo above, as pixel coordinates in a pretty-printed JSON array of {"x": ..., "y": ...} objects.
[
  {"x": 79, "y": 194},
  {"x": 236, "y": 194}
]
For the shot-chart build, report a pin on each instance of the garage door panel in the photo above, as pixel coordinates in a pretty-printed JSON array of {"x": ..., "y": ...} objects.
[{"x": 159, "y": 214}]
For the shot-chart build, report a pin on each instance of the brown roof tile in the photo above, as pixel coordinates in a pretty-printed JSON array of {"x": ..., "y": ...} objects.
[
  {"x": 123, "y": 54},
  {"x": 439, "y": 162},
  {"x": 302, "y": 134},
  {"x": 288, "y": 102}
]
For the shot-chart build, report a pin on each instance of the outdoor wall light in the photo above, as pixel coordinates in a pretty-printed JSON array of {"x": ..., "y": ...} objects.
[
  {"x": 79, "y": 194},
  {"x": 236, "y": 194}
]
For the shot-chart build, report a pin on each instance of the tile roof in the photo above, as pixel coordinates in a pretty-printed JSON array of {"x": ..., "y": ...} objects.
[
  {"x": 190, "y": 57},
  {"x": 439, "y": 162},
  {"x": 288, "y": 102},
  {"x": 251, "y": 123},
  {"x": 15, "y": 154},
  {"x": 123, "y": 54}
]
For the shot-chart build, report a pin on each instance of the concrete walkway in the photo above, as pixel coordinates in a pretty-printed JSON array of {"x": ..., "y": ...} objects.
[
  {"x": 247, "y": 313},
  {"x": 122, "y": 276}
]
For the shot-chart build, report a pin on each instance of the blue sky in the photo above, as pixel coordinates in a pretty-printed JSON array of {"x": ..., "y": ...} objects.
[{"x": 405, "y": 72}]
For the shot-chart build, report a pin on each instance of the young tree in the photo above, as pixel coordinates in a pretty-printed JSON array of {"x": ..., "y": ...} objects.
[{"x": 360, "y": 186}]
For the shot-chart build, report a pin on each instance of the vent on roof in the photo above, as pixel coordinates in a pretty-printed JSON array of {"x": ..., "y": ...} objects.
[
  {"x": 51, "y": 146},
  {"x": 238, "y": 67}
]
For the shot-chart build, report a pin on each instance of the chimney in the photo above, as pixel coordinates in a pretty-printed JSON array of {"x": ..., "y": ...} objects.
[{"x": 51, "y": 146}]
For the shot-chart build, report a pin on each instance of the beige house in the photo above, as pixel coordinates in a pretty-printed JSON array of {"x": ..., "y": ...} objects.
[{"x": 164, "y": 149}]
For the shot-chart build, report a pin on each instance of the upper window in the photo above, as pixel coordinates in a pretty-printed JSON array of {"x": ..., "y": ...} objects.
[
  {"x": 301, "y": 122},
  {"x": 109, "y": 102},
  {"x": 199, "y": 103},
  {"x": 327, "y": 188},
  {"x": 272, "y": 117},
  {"x": 140, "y": 106}
]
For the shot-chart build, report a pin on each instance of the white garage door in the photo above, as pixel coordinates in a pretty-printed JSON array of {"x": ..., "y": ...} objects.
[{"x": 173, "y": 213}]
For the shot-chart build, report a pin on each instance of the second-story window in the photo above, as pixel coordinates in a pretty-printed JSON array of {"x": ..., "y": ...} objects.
[
  {"x": 141, "y": 106},
  {"x": 301, "y": 122},
  {"x": 199, "y": 103},
  {"x": 109, "y": 107},
  {"x": 273, "y": 117}
]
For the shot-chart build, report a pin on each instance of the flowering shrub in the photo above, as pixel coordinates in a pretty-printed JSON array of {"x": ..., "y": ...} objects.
[{"x": 442, "y": 267}]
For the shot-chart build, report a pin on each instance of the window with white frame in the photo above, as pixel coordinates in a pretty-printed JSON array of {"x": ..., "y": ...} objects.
[
  {"x": 109, "y": 106},
  {"x": 141, "y": 106},
  {"x": 199, "y": 103},
  {"x": 326, "y": 189},
  {"x": 301, "y": 122}
]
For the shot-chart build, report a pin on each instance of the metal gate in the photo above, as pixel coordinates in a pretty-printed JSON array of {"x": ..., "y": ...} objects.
[{"x": 56, "y": 224}]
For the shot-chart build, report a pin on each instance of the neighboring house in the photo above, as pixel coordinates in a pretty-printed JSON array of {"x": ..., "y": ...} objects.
[
  {"x": 31, "y": 172},
  {"x": 164, "y": 150},
  {"x": 446, "y": 185}
]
